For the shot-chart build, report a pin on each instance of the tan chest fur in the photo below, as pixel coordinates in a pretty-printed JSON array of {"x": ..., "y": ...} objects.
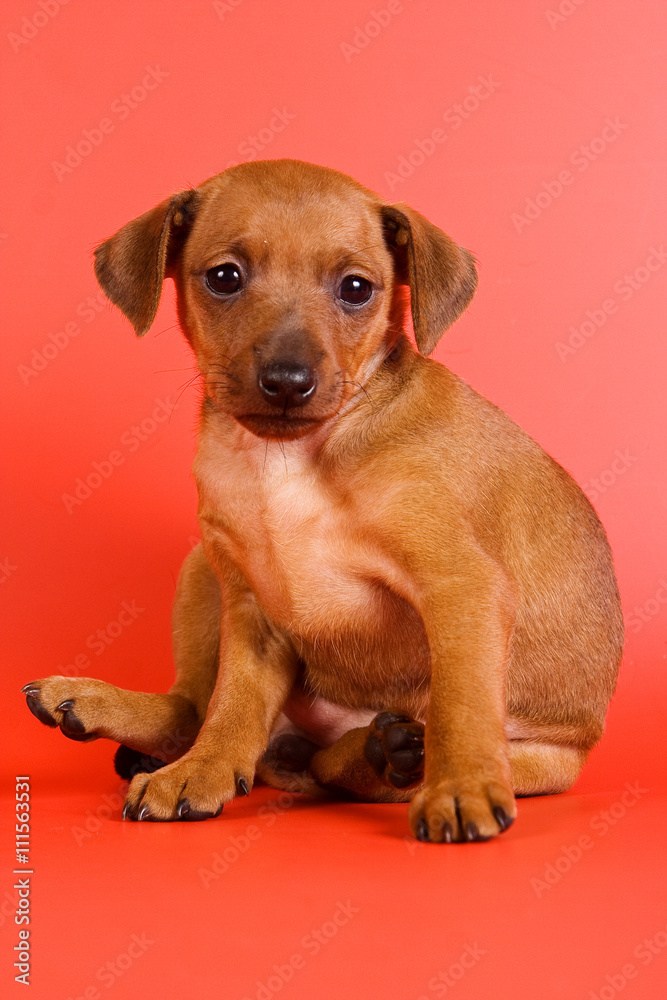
[{"x": 309, "y": 558}]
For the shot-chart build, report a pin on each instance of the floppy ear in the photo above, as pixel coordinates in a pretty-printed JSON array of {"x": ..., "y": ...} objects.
[
  {"x": 132, "y": 264},
  {"x": 441, "y": 274}
]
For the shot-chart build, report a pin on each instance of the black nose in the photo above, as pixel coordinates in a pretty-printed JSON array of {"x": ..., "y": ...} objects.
[{"x": 286, "y": 383}]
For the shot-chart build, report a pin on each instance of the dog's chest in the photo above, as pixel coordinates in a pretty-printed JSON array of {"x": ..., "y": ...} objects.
[{"x": 301, "y": 549}]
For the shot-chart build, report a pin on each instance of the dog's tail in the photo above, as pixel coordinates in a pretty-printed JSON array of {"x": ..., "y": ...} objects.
[{"x": 128, "y": 762}]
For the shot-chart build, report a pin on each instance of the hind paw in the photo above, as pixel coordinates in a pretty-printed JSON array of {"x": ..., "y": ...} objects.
[{"x": 395, "y": 750}]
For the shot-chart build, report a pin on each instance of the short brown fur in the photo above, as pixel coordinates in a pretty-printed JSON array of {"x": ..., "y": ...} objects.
[{"x": 394, "y": 542}]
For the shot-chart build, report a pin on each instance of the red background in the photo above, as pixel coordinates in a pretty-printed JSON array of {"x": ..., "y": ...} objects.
[{"x": 361, "y": 87}]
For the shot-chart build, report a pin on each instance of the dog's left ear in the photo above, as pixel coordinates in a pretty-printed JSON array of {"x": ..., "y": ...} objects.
[
  {"x": 131, "y": 265},
  {"x": 441, "y": 275}
]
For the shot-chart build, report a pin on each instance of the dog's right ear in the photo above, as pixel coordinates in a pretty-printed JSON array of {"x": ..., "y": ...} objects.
[{"x": 131, "y": 265}]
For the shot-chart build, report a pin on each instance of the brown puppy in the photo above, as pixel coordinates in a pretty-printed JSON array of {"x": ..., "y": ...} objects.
[{"x": 398, "y": 594}]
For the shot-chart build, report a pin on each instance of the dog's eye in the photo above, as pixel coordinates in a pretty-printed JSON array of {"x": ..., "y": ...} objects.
[
  {"x": 225, "y": 279},
  {"x": 355, "y": 290}
]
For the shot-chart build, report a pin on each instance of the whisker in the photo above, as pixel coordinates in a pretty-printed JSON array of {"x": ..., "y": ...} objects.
[
  {"x": 163, "y": 371},
  {"x": 174, "y": 326},
  {"x": 185, "y": 387},
  {"x": 191, "y": 380},
  {"x": 360, "y": 386}
]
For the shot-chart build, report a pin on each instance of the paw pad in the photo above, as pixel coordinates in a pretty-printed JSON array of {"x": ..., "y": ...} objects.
[{"x": 395, "y": 749}]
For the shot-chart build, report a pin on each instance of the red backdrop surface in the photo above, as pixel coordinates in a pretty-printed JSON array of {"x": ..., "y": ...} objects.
[{"x": 534, "y": 134}]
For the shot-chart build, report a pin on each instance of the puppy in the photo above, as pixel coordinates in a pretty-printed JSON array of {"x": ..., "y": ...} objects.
[{"x": 398, "y": 595}]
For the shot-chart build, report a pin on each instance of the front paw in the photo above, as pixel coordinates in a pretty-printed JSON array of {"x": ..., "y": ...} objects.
[
  {"x": 69, "y": 703},
  {"x": 189, "y": 789},
  {"x": 468, "y": 808}
]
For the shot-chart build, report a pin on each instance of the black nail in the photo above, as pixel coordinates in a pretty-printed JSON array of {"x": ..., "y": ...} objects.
[
  {"x": 79, "y": 737},
  {"x": 502, "y": 819},
  {"x": 191, "y": 815},
  {"x": 144, "y": 813},
  {"x": 447, "y": 834},
  {"x": 126, "y": 811},
  {"x": 242, "y": 787},
  {"x": 30, "y": 688},
  {"x": 71, "y": 725},
  {"x": 40, "y": 712},
  {"x": 473, "y": 835},
  {"x": 71, "y": 722},
  {"x": 422, "y": 831}
]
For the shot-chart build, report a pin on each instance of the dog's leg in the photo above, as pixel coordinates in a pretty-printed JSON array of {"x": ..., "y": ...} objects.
[
  {"x": 381, "y": 762},
  {"x": 384, "y": 762},
  {"x": 257, "y": 670},
  {"x": 468, "y": 614},
  {"x": 286, "y": 762},
  {"x": 160, "y": 725},
  {"x": 542, "y": 768}
]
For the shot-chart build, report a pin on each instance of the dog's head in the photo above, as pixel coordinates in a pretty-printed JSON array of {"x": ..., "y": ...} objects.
[{"x": 289, "y": 280}]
